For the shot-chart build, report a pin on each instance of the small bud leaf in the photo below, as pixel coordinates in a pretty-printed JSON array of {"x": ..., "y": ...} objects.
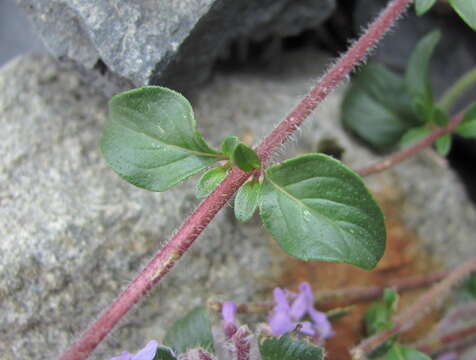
[
  {"x": 246, "y": 200},
  {"x": 209, "y": 181},
  {"x": 245, "y": 157}
]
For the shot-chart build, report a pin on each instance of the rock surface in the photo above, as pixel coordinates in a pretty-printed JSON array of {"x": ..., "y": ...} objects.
[
  {"x": 173, "y": 43},
  {"x": 72, "y": 233}
]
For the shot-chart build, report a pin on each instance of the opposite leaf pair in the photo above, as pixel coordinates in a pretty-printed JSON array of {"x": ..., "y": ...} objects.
[
  {"x": 315, "y": 207},
  {"x": 385, "y": 109}
]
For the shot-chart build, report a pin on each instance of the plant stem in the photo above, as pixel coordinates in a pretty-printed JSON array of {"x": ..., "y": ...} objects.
[
  {"x": 464, "y": 83},
  {"x": 348, "y": 295},
  {"x": 412, "y": 150},
  {"x": 196, "y": 223},
  {"x": 450, "y": 339},
  {"x": 412, "y": 314}
]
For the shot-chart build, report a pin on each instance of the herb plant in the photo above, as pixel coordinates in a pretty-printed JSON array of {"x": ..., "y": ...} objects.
[{"x": 315, "y": 207}]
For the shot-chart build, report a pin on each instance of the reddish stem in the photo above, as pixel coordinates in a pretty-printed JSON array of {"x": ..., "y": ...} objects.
[
  {"x": 450, "y": 339},
  {"x": 412, "y": 150},
  {"x": 196, "y": 223},
  {"x": 412, "y": 314},
  {"x": 349, "y": 295}
]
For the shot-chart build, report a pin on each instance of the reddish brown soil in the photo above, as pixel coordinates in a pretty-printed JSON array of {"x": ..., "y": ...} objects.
[{"x": 403, "y": 258}]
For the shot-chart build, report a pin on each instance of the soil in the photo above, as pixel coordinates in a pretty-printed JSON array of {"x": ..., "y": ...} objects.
[{"x": 403, "y": 258}]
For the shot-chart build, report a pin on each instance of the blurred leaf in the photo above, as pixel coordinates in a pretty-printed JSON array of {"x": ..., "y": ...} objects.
[
  {"x": 209, "y": 181},
  {"x": 400, "y": 352},
  {"x": 422, "y": 6},
  {"x": 316, "y": 208},
  {"x": 287, "y": 348},
  {"x": 378, "y": 317},
  {"x": 413, "y": 136},
  {"x": 377, "y": 107},
  {"x": 229, "y": 144},
  {"x": 245, "y": 157},
  {"x": 440, "y": 117},
  {"x": 164, "y": 353},
  {"x": 150, "y": 138},
  {"x": 443, "y": 145},
  {"x": 192, "y": 331},
  {"x": 416, "y": 75},
  {"x": 467, "y": 126},
  {"x": 467, "y": 10},
  {"x": 246, "y": 200}
]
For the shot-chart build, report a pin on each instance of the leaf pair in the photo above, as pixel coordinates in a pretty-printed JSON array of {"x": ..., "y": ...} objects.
[
  {"x": 381, "y": 106},
  {"x": 385, "y": 109},
  {"x": 466, "y": 9},
  {"x": 315, "y": 207},
  {"x": 194, "y": 331},
  {"x": 151, "y": 140}
]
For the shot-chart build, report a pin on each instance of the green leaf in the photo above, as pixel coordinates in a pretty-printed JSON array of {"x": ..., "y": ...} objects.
[
  {"x": 467, "y": 126},
  {"x": 245, "y": 157},
  {"x": 440, "y": 117},
  {"x": 466, "y": 9},
  {"x": 377, "y": 108},
  {"x": 378, "y": 318},
  {"x": 287, "y": 348},
  {"x": 164, "y": 353},
  {"x": 316, "y": 208},
  {"x": 194, "y": 330},
  {"x": 150, "y": 138},
  {"x": 416, "y": 75},
  {"x": 471, "y": 285},
  {"x": 229, "y": 144},
  {"x": 209, "y": 181},
  {"x": 246, "y": 200},
  {"x": 443, "y": 145},
  {"x": 422, "y": 6},
  {"x": 378, "y": 315},
  {"x": 400, "y": 352},
  {"x": 413, "y": 136}
]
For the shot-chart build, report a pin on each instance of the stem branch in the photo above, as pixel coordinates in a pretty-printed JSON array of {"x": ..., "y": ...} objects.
[
  {"x": 412, "y": 314},
  {"x": 348, "y": 295},
  {"x": 196, "y": 223},
  {"x": 400, "y": 156},
  {"x": 464, "y": 83}
]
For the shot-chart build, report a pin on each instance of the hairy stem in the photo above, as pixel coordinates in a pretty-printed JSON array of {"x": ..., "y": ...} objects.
[
  {"x": 348, "y": 295},
  {"x": 463, "y": 84},
  {"x": 412, "y": 314},
  {"x": 196, "y": 223},
  {"x": 400, "y": 156},
  {"x": 451, "y": 339}
]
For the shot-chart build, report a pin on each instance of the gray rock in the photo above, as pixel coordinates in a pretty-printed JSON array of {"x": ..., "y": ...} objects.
[
  {"x": 72, "y": 233},
  {"x": 174, "y": 43}
]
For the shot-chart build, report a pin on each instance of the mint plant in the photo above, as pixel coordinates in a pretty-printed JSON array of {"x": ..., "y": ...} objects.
[
  {"x": 385, "y": 109},
  {"x": 464, "y": 8},
  {"x": 315, "y": 207}
]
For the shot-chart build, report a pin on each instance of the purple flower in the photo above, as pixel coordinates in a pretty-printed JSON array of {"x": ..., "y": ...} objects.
[
  {"x": 147, "y": 353},
  {"x": 285, "y": 317},
  {"x": 228, "y": 312},
  {"x": 448, "y": 356}
]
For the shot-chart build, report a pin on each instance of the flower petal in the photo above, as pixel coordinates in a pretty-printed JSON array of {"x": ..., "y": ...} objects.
[
  {"x": 148, "y": 352},
  {"x": 280, "y": 300},
  {"x": 321, "y": 324},
  {"x": 228, "y": 311},
  {"x": 280, "y": 323},
  {"x": 124, "y": 356}
]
